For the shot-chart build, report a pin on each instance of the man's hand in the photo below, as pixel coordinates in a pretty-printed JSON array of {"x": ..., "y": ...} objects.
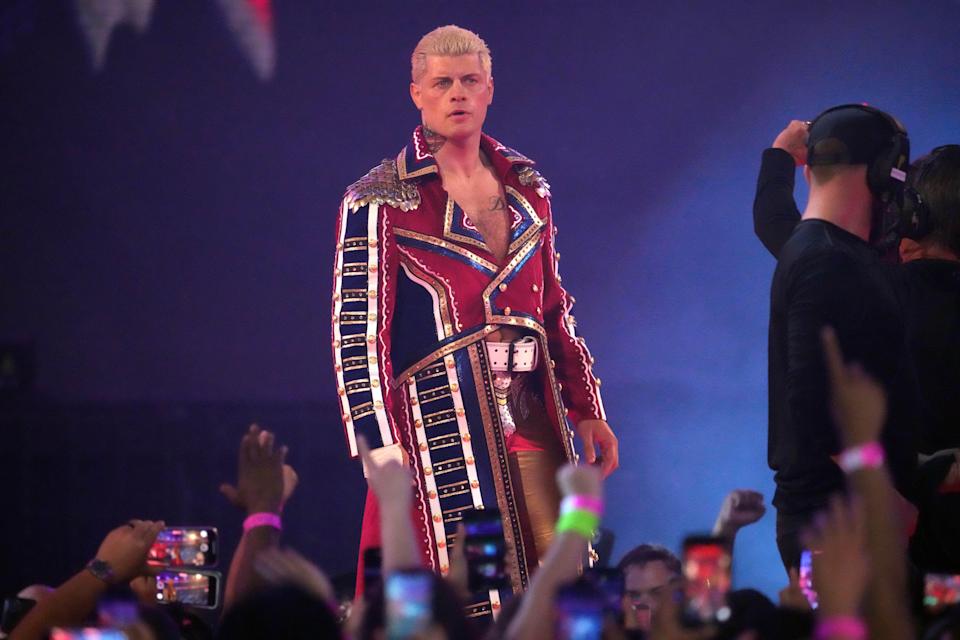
[
  {"x": 841, "y": 568},
  {"x": 597, "y": 434},
  {"x": 390, "y": 480},
  {"x": 264, "y": 482},
  {"x": 793, "y": 140},
  {"x": 125, "y": 548},
  {"x": 740, "y": 508},
  {"x": 858, "y": 402}
]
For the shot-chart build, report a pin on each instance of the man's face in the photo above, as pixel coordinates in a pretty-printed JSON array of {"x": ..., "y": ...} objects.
[
  {"x": 643, "y": 586},
  {"x": 453, "y": 95}
]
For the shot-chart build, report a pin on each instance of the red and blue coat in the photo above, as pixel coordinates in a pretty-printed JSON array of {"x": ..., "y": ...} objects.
[{"x": 415, "y": 292}]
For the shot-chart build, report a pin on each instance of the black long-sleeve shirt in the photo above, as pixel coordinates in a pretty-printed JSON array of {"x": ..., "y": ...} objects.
[{"x": 825, "y": 275}]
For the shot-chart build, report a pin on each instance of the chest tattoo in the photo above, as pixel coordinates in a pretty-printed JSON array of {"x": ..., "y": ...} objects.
[{"x": 497, "y": 203}]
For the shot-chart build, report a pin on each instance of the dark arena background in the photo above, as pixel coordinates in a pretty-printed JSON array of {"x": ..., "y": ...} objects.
[{"x": 167, "y": 226}]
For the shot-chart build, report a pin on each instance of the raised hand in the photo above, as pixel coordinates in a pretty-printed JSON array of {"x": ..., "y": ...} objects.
[
  {"x": 125, "y": 548},
  {"x": 741, "y": 507},
  {"x": 582, "y": 480},
  {"x": 390, "y": 480},
  {"x": 264, "y": 482},
  {"x": 793, "y": 140}
]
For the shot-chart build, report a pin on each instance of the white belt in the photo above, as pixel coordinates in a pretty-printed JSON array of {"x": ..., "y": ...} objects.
[{"x": 519, "y": 356}]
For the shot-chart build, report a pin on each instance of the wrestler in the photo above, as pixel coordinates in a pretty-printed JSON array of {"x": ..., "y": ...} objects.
[{"x": 454, "y": 347}]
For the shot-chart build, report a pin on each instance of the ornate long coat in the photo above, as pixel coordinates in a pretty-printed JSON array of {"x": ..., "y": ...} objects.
[{"x": 415, "y": 292}]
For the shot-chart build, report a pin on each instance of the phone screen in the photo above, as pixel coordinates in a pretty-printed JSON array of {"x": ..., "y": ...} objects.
[
  {"x": 940, "y": 591},
  {"x": 87, "y": 633},
  {"x": 409, "y": 599},
  {"x": 580, "y": 609},
  {"x": 194, "y": 588},
  {"x": 484, "y": 549},
  {"x": 185, "y": 547},
  {"x": 706, "y": 572},
  {"x": 806, "y": 577}
]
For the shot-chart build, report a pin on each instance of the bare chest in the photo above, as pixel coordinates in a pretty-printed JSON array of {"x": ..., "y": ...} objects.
[{"x": 485, "y": 205}]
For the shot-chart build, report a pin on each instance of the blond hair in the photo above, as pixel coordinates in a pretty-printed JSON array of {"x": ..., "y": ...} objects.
[{"x": 450, "y": 40}]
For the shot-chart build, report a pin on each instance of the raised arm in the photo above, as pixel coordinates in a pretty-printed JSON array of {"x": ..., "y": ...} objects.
[
  {"x": 562, "y": 562},
  {"x": 121, "y": 557},
  {"x": 775, "y": 213},
  {"x": 392, "y": 482},
  {"x": 859, "y": 409},
  {"x": 264, "y": 483}
]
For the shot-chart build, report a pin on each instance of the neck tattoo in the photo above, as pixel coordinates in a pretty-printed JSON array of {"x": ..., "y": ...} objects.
[{"x": 434, "y": 140}]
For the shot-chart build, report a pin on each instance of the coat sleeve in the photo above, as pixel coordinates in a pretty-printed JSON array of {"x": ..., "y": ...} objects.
[
  {"x": 364, "y": 279},
  {"x": 580, "y": 389}
]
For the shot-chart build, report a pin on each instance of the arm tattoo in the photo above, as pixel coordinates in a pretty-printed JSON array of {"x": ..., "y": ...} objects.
[{"x": 434, "y": 139}]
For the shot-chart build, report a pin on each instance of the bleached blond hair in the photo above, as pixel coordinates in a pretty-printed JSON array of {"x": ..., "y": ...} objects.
[{"x": 450, "y": 40}]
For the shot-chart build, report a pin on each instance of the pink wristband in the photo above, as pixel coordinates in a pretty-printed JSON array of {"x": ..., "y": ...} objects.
[
  {"x": 866, "y": 456},
  {"x": 582, "y": 503},
  {"x": 845, "y": 626},
  {"x": 263, "y": 519}
]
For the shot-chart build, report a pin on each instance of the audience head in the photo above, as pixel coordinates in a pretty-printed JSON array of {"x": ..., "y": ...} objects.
[
  {"x": 279, "y": 612},
  {"x": 931, "y": 217},
  {"x": 648, "y": 571}
]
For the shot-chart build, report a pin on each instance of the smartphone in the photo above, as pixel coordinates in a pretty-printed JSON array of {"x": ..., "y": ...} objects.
[
  {"x": 485, "y": 549},
  {"x": 195, "y": 547},
  {"x": 609, "y": 582},
  {"x": 580, "y": 611},
  {"x": 409, "y": 603},
  {"x": 806, "y": 577},
  {"x": 194, "y": 588},
  {"x": 940, "y": 591},
  {"x": 87, "y": 633},
  {"x": 706, "y": 571}
]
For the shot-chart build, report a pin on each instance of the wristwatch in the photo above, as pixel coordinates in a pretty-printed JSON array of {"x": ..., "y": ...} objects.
[{"x": 101, "y": 569}]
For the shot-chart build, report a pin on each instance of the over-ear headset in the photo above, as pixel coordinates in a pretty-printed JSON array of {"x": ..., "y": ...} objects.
[
  {"x": 915, "y": 220},
  {"x": 886, "y": 171}
]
